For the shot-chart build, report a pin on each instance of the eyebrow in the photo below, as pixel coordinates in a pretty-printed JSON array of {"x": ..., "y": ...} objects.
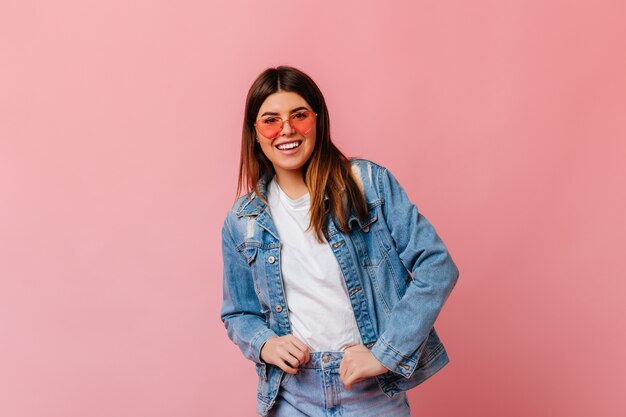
[{"x": 271, "y": 113}]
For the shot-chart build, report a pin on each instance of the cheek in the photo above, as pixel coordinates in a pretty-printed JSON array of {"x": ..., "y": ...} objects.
[
  {"x": 311, "y": 138},
  {"x": 266, "y": 146}
]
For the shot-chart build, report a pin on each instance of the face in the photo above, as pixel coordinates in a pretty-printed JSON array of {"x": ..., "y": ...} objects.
[{"x": 290, "y": 147}]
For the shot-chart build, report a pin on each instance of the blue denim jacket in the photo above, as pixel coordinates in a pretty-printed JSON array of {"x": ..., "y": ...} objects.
[{"x": 397, "y": 271}]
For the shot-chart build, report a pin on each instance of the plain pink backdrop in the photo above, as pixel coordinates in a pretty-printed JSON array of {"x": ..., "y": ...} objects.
[{"x": 119, "y": 139}]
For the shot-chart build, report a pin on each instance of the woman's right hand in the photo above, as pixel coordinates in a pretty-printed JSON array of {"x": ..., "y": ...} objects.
[{"x": 287, "y": 352}]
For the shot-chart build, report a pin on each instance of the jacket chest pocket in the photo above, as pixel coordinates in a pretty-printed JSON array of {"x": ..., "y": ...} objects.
[{"x": 370, "y": 240}]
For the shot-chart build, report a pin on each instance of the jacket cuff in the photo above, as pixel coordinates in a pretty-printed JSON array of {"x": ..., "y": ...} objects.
[
  {"x": 257, "y": 343},
  {"x": 392, "y": 359}
]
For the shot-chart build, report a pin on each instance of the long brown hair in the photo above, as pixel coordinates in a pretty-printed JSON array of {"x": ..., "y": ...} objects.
[{"x": 327, "y": 173}]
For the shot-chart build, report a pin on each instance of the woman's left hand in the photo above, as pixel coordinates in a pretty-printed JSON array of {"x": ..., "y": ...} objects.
[{"x": 357, "y": 364}]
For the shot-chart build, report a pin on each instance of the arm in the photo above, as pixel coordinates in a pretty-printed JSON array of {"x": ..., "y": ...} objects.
[
  {"x": 241, "y": 311},
  {"x": 434, "y": 275}
]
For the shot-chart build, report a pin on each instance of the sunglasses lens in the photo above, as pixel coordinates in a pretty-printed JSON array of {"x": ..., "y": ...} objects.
[
  {"x": 269, "y": 127},
  {"x": 303, "y": 122}
]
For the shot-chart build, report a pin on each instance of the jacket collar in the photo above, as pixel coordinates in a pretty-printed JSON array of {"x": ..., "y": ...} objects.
[{"x": 251, "y": 204}]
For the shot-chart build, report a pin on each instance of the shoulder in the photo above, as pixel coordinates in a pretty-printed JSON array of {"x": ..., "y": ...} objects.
[
  {"x": 364, "y": 168},
  {"x": 362, "y": 162},
  {"x": 241, "y": 204},
  {"x": 246, "y": 205},
  {"x": 370, "y": 174},
  {"x": 378, "y": 182},
  {"x": 239, "y": 213}
]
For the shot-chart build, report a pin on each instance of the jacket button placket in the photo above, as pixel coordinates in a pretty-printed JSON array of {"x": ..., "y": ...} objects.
[
  {"x": 357, "y": 298},
  {"x": 279, "y": 303}
]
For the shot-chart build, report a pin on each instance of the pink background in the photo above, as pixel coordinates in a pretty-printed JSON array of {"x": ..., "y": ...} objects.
[{"x": 119, "y": 139}]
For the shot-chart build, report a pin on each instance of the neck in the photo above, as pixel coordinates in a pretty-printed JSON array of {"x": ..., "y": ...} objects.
[{"x": 292, "y": 184}]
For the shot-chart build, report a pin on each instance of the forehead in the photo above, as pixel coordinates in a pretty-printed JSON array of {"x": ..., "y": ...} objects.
[{"x": 283, "y": 102}]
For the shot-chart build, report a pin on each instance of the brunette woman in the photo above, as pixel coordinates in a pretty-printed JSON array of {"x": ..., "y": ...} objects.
[{"x": 332, "y": 278}]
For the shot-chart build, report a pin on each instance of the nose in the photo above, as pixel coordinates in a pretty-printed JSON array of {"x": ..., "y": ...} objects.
[{"x": 287, "y": 129}]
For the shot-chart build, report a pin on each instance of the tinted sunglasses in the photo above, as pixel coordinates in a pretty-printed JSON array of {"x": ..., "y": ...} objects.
[{"x": 271, "y": 126}]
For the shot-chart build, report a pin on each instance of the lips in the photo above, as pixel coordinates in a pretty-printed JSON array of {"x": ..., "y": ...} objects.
[{"x": 285, "y": 146}]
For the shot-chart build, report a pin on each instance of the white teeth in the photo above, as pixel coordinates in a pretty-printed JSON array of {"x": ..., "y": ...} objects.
[{"x": 286, "y": 146}]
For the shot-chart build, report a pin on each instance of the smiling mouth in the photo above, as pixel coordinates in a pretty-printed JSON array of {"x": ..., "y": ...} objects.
[{"x": 289, "y": 145}]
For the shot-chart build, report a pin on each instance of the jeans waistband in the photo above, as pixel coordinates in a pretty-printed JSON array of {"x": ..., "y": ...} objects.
[{"x": 322, "y": 360}]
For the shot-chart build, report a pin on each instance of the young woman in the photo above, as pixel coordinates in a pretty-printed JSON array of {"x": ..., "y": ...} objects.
[{"x": 332, "y": 278}]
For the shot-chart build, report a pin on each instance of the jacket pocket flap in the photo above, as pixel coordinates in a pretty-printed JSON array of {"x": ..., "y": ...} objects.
[{"x": 249, "y": 252}]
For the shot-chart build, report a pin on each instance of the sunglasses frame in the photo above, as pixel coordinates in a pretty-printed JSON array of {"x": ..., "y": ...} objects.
[{"x": 282, "y": 122}]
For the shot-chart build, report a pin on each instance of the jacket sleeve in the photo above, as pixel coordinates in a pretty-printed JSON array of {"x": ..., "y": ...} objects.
[
  {"x": 434, "y": 275},
  {"x": 241, "y": 311}
]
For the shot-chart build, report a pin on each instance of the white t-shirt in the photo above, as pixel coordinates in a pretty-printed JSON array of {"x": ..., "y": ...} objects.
[{"x": 320, "y": 311}]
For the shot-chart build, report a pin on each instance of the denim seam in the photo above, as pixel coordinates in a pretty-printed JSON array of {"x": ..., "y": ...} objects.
[
  {"x": 394, "y": 350},
  {"x": 380, "y": 188},
  {"x": 385, "y": 257},
  {"x": 250, "y": 243},
  {"x": 230, "y": 234},
  {"x": 435, "y": 353},
  {"x": 396, "y": 282},
  {"x": 359, "y": 242},
  {"x": 253, "y": 342},
  {"x": 411, "y": 361},
  {"x": 378, "y": 291}
]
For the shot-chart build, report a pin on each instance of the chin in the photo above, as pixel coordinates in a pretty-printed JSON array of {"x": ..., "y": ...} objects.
[{"x": 291, "y": 167}]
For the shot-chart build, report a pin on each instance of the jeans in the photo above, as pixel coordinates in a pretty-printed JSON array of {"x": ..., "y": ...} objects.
[{"x": 317, "y": 391}]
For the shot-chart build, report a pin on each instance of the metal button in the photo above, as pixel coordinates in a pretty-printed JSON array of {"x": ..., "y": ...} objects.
[
  {"x": 366, "y": 229},
  {"x": 405, "y": 366},
  {"x": 279, "y": 308},
  {"x": 370, "y": 344},
  {"x": 271, "y": 259}
]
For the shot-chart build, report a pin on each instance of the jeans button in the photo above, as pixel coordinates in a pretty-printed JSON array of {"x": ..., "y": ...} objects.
[
  {"x": 278, "y": 308},
  {"x": 271, "y": 259}
]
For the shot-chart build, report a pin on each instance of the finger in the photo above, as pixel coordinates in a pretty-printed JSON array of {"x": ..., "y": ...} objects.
[
  {"x": 300, "y": 356},
  {"x": 297, "y": 353},
  {"x": 345, "y": 372},
  {"x": 285, "y": 367},
  {"x": 291, "y": 360},
  {"x": 347, "y": 384},
  {"x": 285, "y": 363},
  {"x": 301, "y": 347},
  {"x": 284, "y": 358},
  {"x": 345, "y": 368},
  {"x": 351, "y": 379}
]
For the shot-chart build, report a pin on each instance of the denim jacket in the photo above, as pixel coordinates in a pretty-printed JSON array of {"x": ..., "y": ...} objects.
[{"x": 397, "y": 271}]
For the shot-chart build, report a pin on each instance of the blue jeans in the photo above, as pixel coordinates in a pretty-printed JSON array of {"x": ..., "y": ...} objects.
[{"x": 317, "y": 391}]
